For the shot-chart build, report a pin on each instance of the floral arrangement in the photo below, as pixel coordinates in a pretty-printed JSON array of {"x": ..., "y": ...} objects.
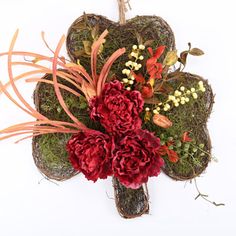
[{"x": 138, "y": 128}]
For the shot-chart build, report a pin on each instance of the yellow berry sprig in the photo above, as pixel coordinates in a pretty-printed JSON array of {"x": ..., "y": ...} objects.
[
  {"x": 133, "y": 65},
  {"x": 180, "y": 96}
]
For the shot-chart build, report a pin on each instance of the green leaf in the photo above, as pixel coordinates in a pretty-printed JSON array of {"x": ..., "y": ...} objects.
[
  {"x": 95, "y": 32},
  {"x": 79, "y": 53},
  {"x": 183, "y": 57},
  {"x": 148, "y": 43},
  {"x": 152, "y": 100},
  {"x": 171, "y": 58},
  {"x": 147, "y": 116},
  {"x": 196, "y": 52},
  {"x": 80, "y": 25},
  {"x": 87, "y": 47},
  {"x": 139, "y": 38},
  {"x": 163, "y": 88}
]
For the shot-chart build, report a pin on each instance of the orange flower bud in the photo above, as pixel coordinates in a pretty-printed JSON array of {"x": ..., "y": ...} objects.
[
  {"x": 147, "y": 91},
  {"x": 162, "y": 121},
  {"x": 186, "y": 138}
]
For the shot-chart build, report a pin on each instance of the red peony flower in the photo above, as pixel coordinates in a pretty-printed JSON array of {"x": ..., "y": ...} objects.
[
  {"x": 90, "y": 153},
  {"x": 136, "y": 158},
  {"x": 117, "y": 109}
]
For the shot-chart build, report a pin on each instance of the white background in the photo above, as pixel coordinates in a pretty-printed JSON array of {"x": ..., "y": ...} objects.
[{"x": 79, "y": 207}]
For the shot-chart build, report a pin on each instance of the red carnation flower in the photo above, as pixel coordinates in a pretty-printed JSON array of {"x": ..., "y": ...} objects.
[
  {"x": 90, "y": 153},
  {"x": 117, "y": 109},
  {"x": 136, "y": 158}
]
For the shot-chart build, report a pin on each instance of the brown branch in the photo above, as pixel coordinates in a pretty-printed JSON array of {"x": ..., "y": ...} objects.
[{"x": 204, "y": 196}]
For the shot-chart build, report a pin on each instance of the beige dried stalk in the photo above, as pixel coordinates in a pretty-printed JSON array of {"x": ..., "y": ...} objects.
[{"x": 124, "y": 6}]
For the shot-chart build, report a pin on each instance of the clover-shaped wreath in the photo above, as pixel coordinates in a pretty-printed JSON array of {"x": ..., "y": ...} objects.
[{"x": 121, "y": 106}]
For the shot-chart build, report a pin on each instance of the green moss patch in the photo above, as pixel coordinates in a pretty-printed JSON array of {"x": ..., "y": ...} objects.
[
  {"x": 49, "y": 150},
  {"x": 51, "y": 156}
]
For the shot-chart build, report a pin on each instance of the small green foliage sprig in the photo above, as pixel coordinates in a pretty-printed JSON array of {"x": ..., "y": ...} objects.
[{"x": 184, "y": 148}]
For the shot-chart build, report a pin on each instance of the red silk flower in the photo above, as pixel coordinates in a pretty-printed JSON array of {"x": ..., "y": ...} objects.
[
  {"x": 154, "y": 68},
  {"x": 90, "y": 153},
  {"x": 186, "y": 138},
  {"x": 172, "y": 155},
  {"x": 147, "y": 91},
  {"x": 136, "y": 158},
  {"x": 117, "y": 109}
]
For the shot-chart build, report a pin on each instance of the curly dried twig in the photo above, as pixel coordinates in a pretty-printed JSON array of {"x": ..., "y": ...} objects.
[{"x": 204, "y": 196}]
